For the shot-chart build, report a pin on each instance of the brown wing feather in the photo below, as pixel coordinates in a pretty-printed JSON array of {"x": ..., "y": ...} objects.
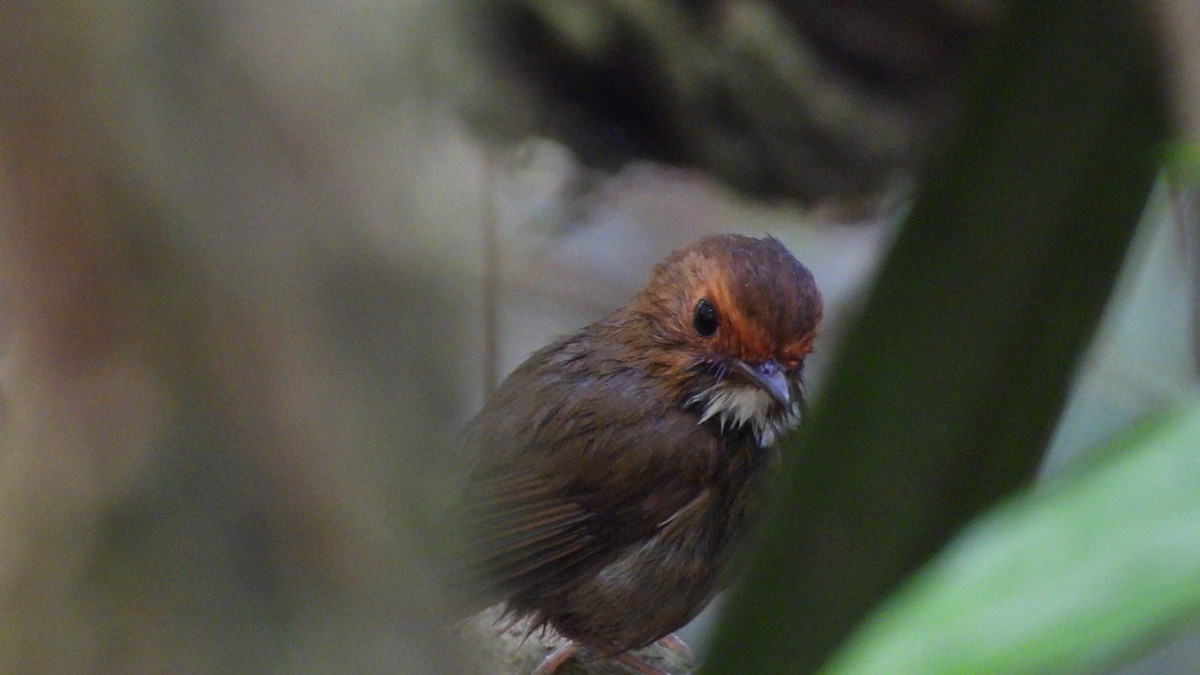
[
  {"x": 534, "y": 516},
  {"x": 517, "y": 527}
]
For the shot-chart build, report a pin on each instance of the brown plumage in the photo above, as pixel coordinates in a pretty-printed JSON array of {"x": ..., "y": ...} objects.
[{"x": 616, "y": 467}]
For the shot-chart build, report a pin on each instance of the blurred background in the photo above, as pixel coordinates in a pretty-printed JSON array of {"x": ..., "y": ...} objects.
[{"x": 259, "y": 263}]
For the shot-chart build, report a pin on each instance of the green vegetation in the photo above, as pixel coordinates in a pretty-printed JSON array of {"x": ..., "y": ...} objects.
[{"x": 948, "y": 388}]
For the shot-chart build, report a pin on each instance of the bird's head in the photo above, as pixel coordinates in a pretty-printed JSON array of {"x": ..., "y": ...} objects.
[{"x": 731, "y": 320}]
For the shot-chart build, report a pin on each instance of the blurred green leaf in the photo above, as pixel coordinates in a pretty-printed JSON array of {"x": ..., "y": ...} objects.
[
  {"x": 1062, "y": 579},
  {"x": 1183, "y": 160},
  {"x": 948, "y": 387}
]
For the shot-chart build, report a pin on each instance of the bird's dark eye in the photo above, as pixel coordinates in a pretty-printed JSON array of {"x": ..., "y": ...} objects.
[{"x": 705, "y": 318}]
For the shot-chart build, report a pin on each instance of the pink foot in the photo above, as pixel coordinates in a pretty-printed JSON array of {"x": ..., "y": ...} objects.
[
  {"x": 678, "y": 646},
  {"x": 555, "y": 659},
  {"x": 638, "y": 664}
]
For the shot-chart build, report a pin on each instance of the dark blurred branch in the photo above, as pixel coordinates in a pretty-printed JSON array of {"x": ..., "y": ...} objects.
[{"x": 819, "y": 102}]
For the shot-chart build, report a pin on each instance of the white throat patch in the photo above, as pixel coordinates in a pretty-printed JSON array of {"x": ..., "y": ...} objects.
[{"x": 738, "y": 405}]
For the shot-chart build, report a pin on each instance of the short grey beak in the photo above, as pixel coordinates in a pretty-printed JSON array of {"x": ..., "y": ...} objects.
[{"x": 770, "y": 376}]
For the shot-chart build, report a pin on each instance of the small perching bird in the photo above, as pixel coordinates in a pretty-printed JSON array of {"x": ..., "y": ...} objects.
[{"x": 615, "y": 470}]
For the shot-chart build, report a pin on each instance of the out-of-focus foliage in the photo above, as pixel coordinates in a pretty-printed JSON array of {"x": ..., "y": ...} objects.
[
  {"x": 1122, "y": 378},
  {"x": 1066, "y": 578},
  {"x": 949, "y": 385}
]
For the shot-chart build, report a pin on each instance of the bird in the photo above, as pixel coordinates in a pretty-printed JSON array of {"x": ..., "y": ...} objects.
[{"x": 615, "y": 473}]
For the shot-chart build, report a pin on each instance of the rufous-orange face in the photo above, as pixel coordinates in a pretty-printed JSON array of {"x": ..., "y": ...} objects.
[{"x": 734, "y": 319}]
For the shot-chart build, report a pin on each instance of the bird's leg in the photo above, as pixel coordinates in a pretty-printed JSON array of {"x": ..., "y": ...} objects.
[
  {"x": 677, "y": 646},
  {"x": 555, "y": 659},
  {"x": 638, "y": 664}
]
